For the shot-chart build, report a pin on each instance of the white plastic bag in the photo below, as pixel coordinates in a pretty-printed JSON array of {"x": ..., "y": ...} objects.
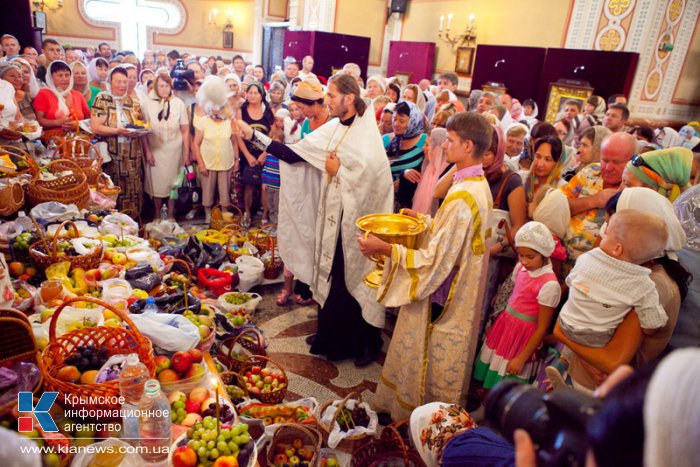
[
  {"x": 84, "y": 230},
  {"x": 119, "y": 224},
  {"x": 90, "y": 317},
  {"x": 52, "y": 211},
  {"x": 161, "y": 229},
  {"x": 250, "y": 272},
  {"x": 169, "y": 332},
  {"x": 336, "y": 435},
  {"x": 115, "y": 289},
  {"x": 83, "y": 245},
  {"x": 249, "y": 306},
  {"x": 146, "y": 254}
]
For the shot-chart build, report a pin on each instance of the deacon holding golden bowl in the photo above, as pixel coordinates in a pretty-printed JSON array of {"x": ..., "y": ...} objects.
[{"x": 438, "y": 284}]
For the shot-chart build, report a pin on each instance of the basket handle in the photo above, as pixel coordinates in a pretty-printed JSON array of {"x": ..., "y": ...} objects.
[
  {"x": 67, "y": 162},
  {"x": 189, "y": 277},
  {"x": 59, "y": 229},
  {"x": 310, "y": 432},
  {"x": 240, "y": 382},
  {"x": 234, "y": 340},
  {"x": 42, "y": 237},
  {"x": 78, "y": 142},
  {"x": 19, "y": 152},
  {"x": 340, "y": 408},
  {"x": 97, "y": 301},
  {"x": 235, "y": 229},
  {"x": 393, "y": 436}
]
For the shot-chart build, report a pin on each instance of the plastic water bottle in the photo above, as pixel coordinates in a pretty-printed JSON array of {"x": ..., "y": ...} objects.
[
  {"x": 132, "y": 379},
  {"x": 164, "y": 212},
  {"x": 151, "y": 306},
  {"x": 51, "y": 150},
  {"x": 154, "y": 424}
]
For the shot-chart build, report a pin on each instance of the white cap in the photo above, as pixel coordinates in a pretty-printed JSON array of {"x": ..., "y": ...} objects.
[{"x": 536, "y": 236}]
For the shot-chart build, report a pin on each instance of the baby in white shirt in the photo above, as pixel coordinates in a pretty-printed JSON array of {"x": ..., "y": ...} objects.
[{"x": 608, "y": 281}]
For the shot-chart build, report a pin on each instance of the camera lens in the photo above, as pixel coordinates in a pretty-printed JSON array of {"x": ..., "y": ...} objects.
[{"x": 511, "y": 405}]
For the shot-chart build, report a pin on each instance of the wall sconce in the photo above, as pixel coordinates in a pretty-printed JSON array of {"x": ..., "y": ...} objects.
[
  {"x": 666, "y": 46},
  {"x": 468, "y": 36},
  {"x": 214, "y": 20},
  {"x": 42, "y": 5}
]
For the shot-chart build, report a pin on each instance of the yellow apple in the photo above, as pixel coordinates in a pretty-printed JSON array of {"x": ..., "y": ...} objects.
[{"x": 119, "y": 258}]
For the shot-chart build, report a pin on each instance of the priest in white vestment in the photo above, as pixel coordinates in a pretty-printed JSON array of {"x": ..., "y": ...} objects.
[
  {"x": 439, "y": 285},
  {"x": 356, "y": 181}
]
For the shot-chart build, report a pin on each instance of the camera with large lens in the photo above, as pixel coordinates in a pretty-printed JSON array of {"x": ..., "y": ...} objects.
[
  {"x": 181, "y": 76},
  {"x": 555, "y": 421}
]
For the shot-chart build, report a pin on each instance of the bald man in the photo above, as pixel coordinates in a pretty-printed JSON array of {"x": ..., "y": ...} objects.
[{"x": 590, "y": 190}]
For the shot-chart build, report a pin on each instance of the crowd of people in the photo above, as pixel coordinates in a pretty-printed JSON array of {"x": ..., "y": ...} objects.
[{"x": 542, "y": 237}]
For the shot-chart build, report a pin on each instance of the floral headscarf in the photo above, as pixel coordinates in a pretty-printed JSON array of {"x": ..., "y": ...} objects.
[
  {"x": 667, "y": 170},
  {"x": 415, "y": 125},
  {"x": 433, "y": 425},
  {"x": 499, "y": 155}
]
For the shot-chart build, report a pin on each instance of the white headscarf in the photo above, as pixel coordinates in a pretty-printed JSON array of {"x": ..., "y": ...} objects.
[
  {"x": 92, "y": 69},
  {"x": 648, "y": 200},
  {"x": 671, "y": 138},
  {"x": 212, "y": 94},
  {"x": 672, "y": 411},
  {"x": 33, "y": 83},
  {"x": 553, "y": 211},
  {"x": 60, "y": 95},
  {"x": 530, "y": 119}
]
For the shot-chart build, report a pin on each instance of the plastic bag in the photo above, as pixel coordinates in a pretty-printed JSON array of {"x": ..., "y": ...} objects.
[
  {"x": 147, "y": 282},
  {"x": 86, "y": 458},
  {"x": 337, "y": 435},
  {"x": 84, "y": 229},
  {"x": 167, "y": 331},
  {"x": 250, "y": 272},
  {"x": 119, "y": 224},
  {"x": 111, "y": 368},
  {"x": 145, "y": 254},
  {"x": 53, "y": 211},
  {"x": 100, "y": 201},
  {"x": 83, "y": 246},
  {"x": 71, "y": 318},
  {"x": 17, "y": 450},
  {"x": 115, "y": 289},
  {"x": 163, "y": 228}
]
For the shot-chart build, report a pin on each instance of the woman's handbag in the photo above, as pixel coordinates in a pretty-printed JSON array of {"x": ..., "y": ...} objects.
[
  {"x": 501, "y": 224},
  {"x": 251, "y": 175},
  {"x": 189, "y": 194}
]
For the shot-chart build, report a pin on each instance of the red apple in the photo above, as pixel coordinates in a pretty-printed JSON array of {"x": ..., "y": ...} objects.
[
  {"x": 199, "y": 395},
  {"x": 192, "y": 406},
  {"x": 162, "y": 363},
  {"x": 226, "y": 461},
  {"x": 256, "y": 370},
  {"x": 168, "y": 376},
  {"x": 196, "y": 355},
  {"x": 181, "y": 362},
  {"x": 184, "y": 456},
  {"x": 280, "y": 459}
]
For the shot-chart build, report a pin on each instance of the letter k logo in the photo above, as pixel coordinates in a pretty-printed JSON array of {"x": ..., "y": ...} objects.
[{"x": 41, "y": 411}]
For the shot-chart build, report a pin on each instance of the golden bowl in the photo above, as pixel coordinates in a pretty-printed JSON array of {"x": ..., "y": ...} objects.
[{"x": 392, "y": 228}]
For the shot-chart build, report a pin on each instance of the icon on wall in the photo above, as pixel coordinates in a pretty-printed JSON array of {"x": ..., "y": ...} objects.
[
  {"x": 40, "y": 20},
  {"x": 228, "y": 37}
]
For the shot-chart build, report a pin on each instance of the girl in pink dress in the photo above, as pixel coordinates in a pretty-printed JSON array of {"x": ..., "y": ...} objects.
[{"x": 509, "y": 348}]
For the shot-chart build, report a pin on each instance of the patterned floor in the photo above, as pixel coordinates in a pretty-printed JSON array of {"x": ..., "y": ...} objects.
[{"x": 286, "y": 329}]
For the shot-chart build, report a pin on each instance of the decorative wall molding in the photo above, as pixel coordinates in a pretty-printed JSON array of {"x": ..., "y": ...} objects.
[
  {"x": 583, "y": 23},
  {"x": 319, "y": 15}
]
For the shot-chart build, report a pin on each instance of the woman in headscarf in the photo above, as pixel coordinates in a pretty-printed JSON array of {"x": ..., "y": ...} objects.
[
  {"x": 434, "y": 166},
  {"x": 80, "y": 82},
  {"x": 132, "y": 73},
  {"x": 275, "y": 96},
  {"x": 529, "y": 112},
  {"x": 111, "y": 112},
  {"x": 393, "y": 91},
  {"x": 58, "y": 107},
  {"x": 98, "y": 69},
  {"x": 404, "y": 148},
  {"x": 689, "y": 137},
  {"x": 30, "y": 86},
  {"x": 236, "y": 96},
  {"x": 594, "y": 111},
  {"x": 256, "y": 113},
  {"x": 412, "y": 93},
  {"x": 667, "y": 137},
  {"x": 669, "y": 275},
  {"x": 168, "y": 140},
  {"x": 376, "y": 86},
  {"x": 546, "y": 165},
  {"x": 666, "y": 171},
  {"x": 588, "y": 149}
]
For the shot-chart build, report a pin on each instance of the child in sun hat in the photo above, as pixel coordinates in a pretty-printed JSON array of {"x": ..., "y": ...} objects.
[{"x": 509, "y": 348}]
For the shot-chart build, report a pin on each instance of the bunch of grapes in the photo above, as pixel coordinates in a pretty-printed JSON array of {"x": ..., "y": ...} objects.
[
  {"x": 178, "y": 412},
  {"x": 23, "y": 241},
  {"x": 88, "y": 358},
  {"x": 237, "y": 298},
  {"x": 349, "y": 419},
  {"x": 235, "y": 393},
  {"x": 209, "y": 446},
  {"x": 225, "y": 412}
]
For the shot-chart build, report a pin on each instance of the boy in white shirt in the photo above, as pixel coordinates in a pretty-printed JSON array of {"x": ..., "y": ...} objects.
[{"x": 608, "y": 281}]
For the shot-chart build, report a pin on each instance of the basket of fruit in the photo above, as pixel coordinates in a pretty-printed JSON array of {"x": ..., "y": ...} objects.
[
  {"x": 265, "y": 238},
  {"x": 45, "y": 253},
  {"x": 235, "y": 350},
  {"x": 24, "y": 295},
  {"x": 265, "y": 379},
  {"x": 272, "y": 261},
  {"x": 63, "y": 181},
  {"x": 85, "y": 155},
  {"x": 301, "y": 412},
  {"x": 222, "y": 216},
  {"x": 294, "y": 444},
  {"x": 17, "y": 345},
  {"x": 183, "y": 371},
  {"x": 209, "y": 443},
  {"x": 67, "y": 380},
  {"x": 357, "y": 425},
  {"x": 239, "y": 300},
  {"x": 106, "y": 186},
  {"x": 188, "y": 409},
  {"x": 392, "y": 448},
  {"x": 230, "y": 323},
  {"x": 234, "y": 385},
  {"x": 20, "y": 162},
  {"x": 205, "y": 322}
]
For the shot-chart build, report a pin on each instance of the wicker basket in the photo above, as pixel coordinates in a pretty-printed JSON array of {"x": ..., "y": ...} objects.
[
  {"x": 115, "y": 340},
  {"x": 349, "y": 443},
  {"x": 68, "y": 189},
  {"x": 276, "y": 396},
  {"x": 236, "y": 237},
  {"x": 44, "y": 253},
  {"x": 17, "y": 343},
  {"x": 391, "y": 448},
  {"x": 264, "y": 238},
  {"x": 104, "y": 186},
  {"x": 11, "y": 198},
  {"x": 250, "y": 339},
  {"x": 85, "y": 155},
  {"x": 273, "y": 264},
  {"x": 218, "y": 222},
  {"x": 287, "y": 433},
  {"x": 25, "y": 162},
  {"x": 231, "y": 378}
]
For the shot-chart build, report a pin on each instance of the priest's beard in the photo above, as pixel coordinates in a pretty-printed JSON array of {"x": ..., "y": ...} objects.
[{"x": 340, "y": 111}]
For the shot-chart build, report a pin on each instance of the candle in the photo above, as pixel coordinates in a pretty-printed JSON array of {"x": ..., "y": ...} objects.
[
  {"x": 471, "y": 20},
  {"x": 442, "y": 20},
  {"x": 449, "y": 21},
  {"x": 215, "y": 382}
]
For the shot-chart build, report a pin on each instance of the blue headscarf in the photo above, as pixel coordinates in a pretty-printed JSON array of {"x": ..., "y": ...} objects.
[{"x": 415, "y": 124}]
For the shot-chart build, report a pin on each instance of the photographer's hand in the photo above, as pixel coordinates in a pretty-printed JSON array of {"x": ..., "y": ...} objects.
[{"x": 525, "y": 455}]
